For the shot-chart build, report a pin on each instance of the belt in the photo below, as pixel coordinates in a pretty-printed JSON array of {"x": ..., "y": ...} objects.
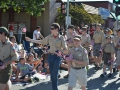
[
  {"x": 97, "y": 43},
  {"x": 78, "y": 68},
  {"x": 52, "y": 53}
]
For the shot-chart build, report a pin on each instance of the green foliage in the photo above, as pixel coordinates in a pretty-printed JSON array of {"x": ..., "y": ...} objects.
[
  {"x": 32, "y": 7},
  {"x": 79, "y": 15}
]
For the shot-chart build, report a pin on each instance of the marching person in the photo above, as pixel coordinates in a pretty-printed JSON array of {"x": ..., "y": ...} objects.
[
  {"x": 7, "y": 56},
  {"x": 109, "y": 56},
  {"x": 78, "y": 63},
  {"x": 56, "y": 42},
  {"x": 86, "y": 40},
  {"x": 70, "y": 35},
  {"x": 117, "y": 45},
  {"x": 98, "y": 39}
]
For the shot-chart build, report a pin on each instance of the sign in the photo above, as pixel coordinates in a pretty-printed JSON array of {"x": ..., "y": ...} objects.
[
  {"x": 104, "y": 17},
  {"x": 104, "y": 12},
  {"x": 68, "y": 20}
]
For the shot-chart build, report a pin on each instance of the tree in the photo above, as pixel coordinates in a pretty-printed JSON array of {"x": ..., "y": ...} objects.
[
  {"x": 32, "y": 7},
  {"x": 79, "y": 15}
]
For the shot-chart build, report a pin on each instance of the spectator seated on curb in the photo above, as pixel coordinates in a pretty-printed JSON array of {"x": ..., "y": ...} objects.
[{"x": 26, "y": 71}]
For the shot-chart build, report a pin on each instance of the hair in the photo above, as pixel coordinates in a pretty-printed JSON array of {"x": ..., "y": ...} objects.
[
  {"x": 12, "y": 38},
  {"x": 21, "y": 59},
  {"x": 6, "y": 34},
  {"x": 38, "y": 27},
  {"x": 56, "y": 26}
]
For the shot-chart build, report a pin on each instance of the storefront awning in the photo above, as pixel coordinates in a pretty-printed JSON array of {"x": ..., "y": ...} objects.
[{"x": 93, "y": 10}]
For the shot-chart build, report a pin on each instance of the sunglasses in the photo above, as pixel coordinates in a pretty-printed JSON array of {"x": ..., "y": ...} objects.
[{"x": 52, "y": 28}]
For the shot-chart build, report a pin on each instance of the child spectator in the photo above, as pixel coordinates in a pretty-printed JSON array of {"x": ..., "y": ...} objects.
[{"x": 25, "y": 69}]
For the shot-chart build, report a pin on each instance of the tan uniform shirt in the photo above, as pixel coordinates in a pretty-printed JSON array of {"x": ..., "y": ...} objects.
[
  {"x": 109, "y": 48},
  {"x": 98, "y": 37},
  {"x": 105, "y": 41},
  {"x": 80, "y": 54},
  {"x": 7, "y": 52},
  {"x": 117, "y": 41},
  {"x": 71, "y": 36},
  {"x": 58, "y": 43},
  {"x": 85, "y": 39}
]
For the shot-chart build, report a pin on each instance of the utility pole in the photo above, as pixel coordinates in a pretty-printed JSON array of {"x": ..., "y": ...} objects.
[{"x": 67, "y": 13}]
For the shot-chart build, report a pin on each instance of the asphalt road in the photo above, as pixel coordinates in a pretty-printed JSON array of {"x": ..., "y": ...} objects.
[{"x": 94, "y": 82}]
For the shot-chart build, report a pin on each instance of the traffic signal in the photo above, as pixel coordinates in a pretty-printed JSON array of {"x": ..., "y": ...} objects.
[
  {"x": 116, "y": 1},
  {"x": 117, "y": 11},
  {"x": 63, "y": 8}
]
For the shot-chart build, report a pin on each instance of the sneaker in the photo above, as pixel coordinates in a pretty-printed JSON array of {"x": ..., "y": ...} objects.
[
  {"x": 105, "y": 73},
  {"x": 110, "y": 75},
  {"x": 66, "y": 76},
  {"x": 102, "y": 75}
]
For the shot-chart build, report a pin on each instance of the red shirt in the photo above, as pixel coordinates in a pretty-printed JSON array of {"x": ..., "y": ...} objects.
[
  {"x": 11, "y": 28},
  {"x": 92, "y": 32}
]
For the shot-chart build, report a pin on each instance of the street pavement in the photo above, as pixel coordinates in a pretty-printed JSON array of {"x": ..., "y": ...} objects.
[{"x": 94, "y": 82}]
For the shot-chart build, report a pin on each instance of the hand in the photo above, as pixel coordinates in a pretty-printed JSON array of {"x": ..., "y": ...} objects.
[
  {"x": 2, "y": 67},
  {"x": 27, "y": 38}
]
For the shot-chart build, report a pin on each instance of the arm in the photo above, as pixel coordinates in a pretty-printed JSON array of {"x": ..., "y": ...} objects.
[
  {"x": 17, "y": 74},
  {"x": 33, "y": 41},
  {"x": 41, "y": 36},
  {"x": 64, "y": 46},
  {"x": 85, "y": 61},
  {"x": 103, "y": 36},
  {"x": 44, "y": 41},
  {"x": 13, "y": 56}
]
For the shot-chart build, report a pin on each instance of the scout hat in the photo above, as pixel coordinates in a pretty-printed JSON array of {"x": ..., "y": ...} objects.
[
  {"x": 71, "y": 27},
  {"x": 84, "y": 28},
  {"x": 4, "y": 29},
  {"x": 98, "y": 24},
  {"x": 108, "y": 37},
  {"x": 77, "y": 37}
]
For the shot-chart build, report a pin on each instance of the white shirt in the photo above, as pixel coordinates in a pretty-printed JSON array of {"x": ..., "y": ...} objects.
[{"x": 36, "y": 33}]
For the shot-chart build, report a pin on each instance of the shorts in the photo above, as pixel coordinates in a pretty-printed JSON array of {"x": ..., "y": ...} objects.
[
  {"x": 96, "y": 49},
  {"x": 5, "y": 74},
  {"x": 106, "y": 58},
  {"x": 118, "y": 58},
  {"x": 77, "y": 74}
]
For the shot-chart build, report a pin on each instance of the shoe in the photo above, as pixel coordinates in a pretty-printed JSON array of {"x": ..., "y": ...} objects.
[
  {"x": 102, "y": 75},
  {"x": 66, "y": 76},
  {"x": 105, "y": 73},
  {"x": 110, "y": 75},
  {"x": 59, "y": 76}
]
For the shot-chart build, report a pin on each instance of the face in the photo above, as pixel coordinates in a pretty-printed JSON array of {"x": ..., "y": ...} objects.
[
  {"x": 83, "y": 32},
  {"x": 39, "y": 29},
  {"x": 77, "y": 42},
  {"x": 13, "y": 40},
  {"x": 108, "y": 39},
  {"x": 98, "y": 27},
  {"x": 31, "y": 57},
  {"x": 2, "y": 36},
  {"x": 118, "y": 33},
  {"x": 108, "y": 33},
  {"x": 70, "y": 30},
  {"x": 23, "y": 61},
  {"x": 53, "y": 30}
]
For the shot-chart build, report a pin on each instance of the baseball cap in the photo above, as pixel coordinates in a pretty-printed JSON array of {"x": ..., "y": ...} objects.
[
  {"x": 77, "y": 37},
  {"x": 4, "y": 29},
  {"x": 107, "y": 30}
]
